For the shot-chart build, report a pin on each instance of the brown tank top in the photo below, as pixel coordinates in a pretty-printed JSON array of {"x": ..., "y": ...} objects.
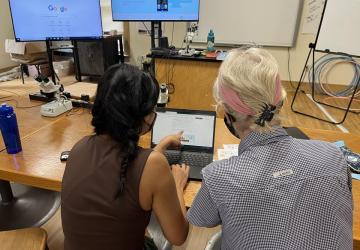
[{"x": 92, "y": 217}]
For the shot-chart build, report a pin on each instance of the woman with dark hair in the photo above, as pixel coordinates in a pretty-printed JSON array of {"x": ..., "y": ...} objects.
[{"x": 111, "y": 185}]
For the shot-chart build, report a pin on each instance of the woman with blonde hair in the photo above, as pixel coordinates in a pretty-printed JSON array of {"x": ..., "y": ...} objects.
[{"x": 279, "y": 192}]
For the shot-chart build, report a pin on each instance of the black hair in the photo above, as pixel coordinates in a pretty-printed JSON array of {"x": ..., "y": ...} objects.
[{"x": 125, "y": 95}]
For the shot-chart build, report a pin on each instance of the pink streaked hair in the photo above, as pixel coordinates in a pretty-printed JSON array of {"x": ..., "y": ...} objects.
[{"x": 232, "y": 99}]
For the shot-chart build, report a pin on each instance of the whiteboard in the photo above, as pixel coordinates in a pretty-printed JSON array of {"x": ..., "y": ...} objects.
[
  {"x": 339, "y": 31},
  {"x": 262, "y": 22}
]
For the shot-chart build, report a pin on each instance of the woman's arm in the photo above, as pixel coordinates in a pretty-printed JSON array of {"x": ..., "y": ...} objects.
[
  {"x": 173, "y": 141},
  {"x": 162, "y": 191},
  {"x": 181, "y": 175}
]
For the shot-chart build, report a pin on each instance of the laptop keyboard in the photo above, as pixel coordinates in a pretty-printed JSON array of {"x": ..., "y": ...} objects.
[{"x": 192, "y": 159}]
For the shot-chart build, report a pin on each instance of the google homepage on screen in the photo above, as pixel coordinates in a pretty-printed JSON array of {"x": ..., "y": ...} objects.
[{"x": 56, "y": 20}]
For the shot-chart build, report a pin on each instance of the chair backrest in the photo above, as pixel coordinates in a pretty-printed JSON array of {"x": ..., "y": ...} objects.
[{"x": 215, "y": 242}]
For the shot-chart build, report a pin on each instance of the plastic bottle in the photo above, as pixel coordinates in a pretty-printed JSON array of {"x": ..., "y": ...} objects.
[
  {"x": 211, "y": 41},
  {"x": 163, "y": 96},
  {"x": 9, "y": 129}
]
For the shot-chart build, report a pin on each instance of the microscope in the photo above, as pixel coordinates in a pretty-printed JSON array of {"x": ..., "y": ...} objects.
[
  {"x": 191, "y": 33},
  {"x": 60, "y": 103}
]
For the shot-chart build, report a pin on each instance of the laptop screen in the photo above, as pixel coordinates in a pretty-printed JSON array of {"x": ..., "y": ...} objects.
[{"x": 198, "y": 127}]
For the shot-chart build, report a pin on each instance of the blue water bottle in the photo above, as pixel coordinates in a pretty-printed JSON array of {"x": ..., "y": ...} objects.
[
  {"x": 9, "y": 129},
  {"x": 211, "y": 41}
]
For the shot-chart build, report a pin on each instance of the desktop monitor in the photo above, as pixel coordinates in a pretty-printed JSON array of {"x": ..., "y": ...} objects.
[
  {"x": 155, "y": 10},
  {"x": 39, "y": 20}
]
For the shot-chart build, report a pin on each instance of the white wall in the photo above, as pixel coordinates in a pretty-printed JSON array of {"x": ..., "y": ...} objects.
[
  {"x": 107, "y": 21},
  {"x": 140, "y": 45},
  {"x": 6, "y": 32}
]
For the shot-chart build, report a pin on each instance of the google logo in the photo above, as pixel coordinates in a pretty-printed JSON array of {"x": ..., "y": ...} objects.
[{"x": 56, "y": 8}]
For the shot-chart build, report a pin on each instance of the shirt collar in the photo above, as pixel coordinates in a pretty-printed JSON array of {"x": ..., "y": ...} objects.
[{"x": 257, "y": 139}]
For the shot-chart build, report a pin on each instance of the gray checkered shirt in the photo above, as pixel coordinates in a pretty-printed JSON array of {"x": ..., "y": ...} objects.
[{"x": 279, "y": 193}]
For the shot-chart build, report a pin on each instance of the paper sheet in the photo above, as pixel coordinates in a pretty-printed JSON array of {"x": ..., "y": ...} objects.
[
  {"x": 228, "y": 151},
  {"x": 233, "y": 147},
  {"x": 356, "y": 176},
  {"x": 314, "y": 9}
]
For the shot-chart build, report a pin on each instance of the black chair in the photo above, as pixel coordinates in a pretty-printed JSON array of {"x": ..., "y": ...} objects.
[{"x": 23, "y": 206}]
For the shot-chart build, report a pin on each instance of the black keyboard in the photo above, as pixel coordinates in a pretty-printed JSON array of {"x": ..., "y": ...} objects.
[{"x": 193, "y": 159}]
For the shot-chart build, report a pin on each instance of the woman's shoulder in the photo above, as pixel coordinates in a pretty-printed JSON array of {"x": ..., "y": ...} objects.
[
  {"x": 156, "y": 167},
  {"x": 155, "y": 159},
  {"x": 316, "y": 146},
  {"x": 94, "y": 140},
  {"x": 83, "y": 143}
]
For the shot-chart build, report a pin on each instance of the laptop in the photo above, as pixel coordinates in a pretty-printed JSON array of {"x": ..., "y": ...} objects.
[{"x": 197, "y": 141}]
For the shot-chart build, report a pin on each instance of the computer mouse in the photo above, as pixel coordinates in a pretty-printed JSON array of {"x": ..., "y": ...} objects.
[{"x": 64, "y": 155}]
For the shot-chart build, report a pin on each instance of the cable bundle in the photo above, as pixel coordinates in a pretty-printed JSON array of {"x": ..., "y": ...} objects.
[{"x": 322, "y": 68}]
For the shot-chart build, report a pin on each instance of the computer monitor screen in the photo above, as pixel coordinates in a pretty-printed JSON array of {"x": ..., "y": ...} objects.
[
  {"x": 198, "y": 128},
  {"x": 39, "y": 20},
  {"x": 155, "y": 10}
]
